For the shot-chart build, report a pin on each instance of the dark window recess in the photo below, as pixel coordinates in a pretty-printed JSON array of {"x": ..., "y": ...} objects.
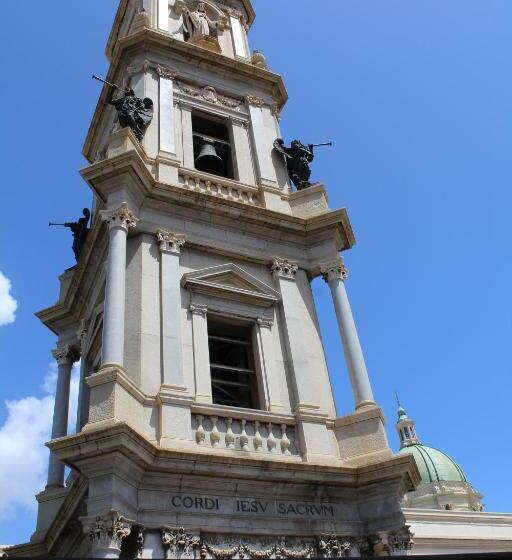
[
  {"x": 234, "y": 381},
  {"x": 212, "y": 146}
]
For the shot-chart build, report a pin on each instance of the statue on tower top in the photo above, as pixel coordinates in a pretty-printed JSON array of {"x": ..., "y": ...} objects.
[{"x": 197, "y": 23}]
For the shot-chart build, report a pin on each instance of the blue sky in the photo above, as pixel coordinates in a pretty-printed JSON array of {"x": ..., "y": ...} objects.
[{"x": 417, "y": 98}]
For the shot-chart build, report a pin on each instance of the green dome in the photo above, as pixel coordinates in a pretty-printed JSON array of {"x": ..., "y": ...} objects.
[{"x": 434, "y": 465}]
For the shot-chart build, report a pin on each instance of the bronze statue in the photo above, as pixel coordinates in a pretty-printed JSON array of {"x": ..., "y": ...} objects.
[
  {"x": 132, "y": 111},
  {"x": 80, "y": 229},
  {"x": 298, "y": 159}
]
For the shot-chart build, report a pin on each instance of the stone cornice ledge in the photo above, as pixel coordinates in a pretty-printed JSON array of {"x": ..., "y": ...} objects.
[
  {"x": 116, "y": 375},
  {"x": 120, "y": 438}
]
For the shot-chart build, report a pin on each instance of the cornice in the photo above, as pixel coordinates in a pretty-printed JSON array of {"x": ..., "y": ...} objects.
[{"x": 121, "y": 439}]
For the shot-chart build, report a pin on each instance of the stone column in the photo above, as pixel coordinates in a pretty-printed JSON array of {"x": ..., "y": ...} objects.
[
  {"x": 107, "y": 533},
  {"x": 172, "y": 350},
  {"x": 65, "y": 356},
  {"x": 335, "y": 274},
  {"x": 201, "y": 353},
  {"x": 119, "y": 222}
]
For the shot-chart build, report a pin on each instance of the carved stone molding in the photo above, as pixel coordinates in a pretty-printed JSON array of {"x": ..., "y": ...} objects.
[
  {"x": 179, "y": 543},
  {"x": 283, "y": 268},
  {"x": 334, "y": 269},
  {"x": 170, "y": 242},
  {"x": 107, "y": 532},
  {"x": 65, "y": 355},
  {"x": 121, "y": 217},
  {"x": 253, "y": 100},
  {"x": 209, "y": 94},
  {"x": 200, "y": 310}
]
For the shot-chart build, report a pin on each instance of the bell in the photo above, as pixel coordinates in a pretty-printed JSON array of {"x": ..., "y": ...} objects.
[{"x": 209, "y": 160}]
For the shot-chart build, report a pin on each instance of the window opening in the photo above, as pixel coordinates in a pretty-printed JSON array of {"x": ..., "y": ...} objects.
[
  {"x": 233, "y": 375},
  {"x": 212, "y": 145}
]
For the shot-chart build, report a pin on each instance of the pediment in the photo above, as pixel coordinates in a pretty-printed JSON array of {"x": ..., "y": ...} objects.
[{"x": 229, "y": 281}]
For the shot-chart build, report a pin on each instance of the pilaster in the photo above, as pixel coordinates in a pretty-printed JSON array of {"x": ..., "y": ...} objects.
[
  {"x": 201, "y": 353},
  {"x": 306, "y": 360}
]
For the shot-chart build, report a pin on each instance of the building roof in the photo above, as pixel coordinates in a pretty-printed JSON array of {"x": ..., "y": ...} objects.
[{"x": 434, "y": 465}]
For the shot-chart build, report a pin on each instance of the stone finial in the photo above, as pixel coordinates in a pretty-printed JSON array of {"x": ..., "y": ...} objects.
[
  {"x": 65, "y": 355},
  {"x": 283, "y": 268},
  {"x": 334, "y": 269},
  {"x": 107, "y": 532},
  {"x": 121, "y": 217},
  {"x": 170, "y": 242}
]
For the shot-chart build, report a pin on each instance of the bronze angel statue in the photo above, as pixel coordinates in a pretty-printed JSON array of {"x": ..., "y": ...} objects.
[
  {"x": 132, "y": 111},
  {"x": 298, "y": 159}
]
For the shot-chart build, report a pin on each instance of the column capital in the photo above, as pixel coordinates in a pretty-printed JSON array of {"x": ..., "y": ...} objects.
[
  {"x": 108, "y": 531},
  {"x": 200, "y": 310},
  {"x": 334, "y": 269},
  {"x": 253, "y": 100},
  {"x": 170, "y": 242},
  {"x": 283, "y": 268},
  {"x": 65, "y": 354},
  {"x": 121, "y": 217},
  {"x": 81, "y": 333},
  {"x": 166, "y": 73},
  {"x": 265, "y": 323}
]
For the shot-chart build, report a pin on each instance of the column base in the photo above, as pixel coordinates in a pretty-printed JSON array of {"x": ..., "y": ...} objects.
[
  {"x": 362, "y": 438},
  {"x": 365, "y": 404}
]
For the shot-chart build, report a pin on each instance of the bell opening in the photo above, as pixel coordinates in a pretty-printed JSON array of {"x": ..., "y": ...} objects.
[{"x": 212, "y": 147}]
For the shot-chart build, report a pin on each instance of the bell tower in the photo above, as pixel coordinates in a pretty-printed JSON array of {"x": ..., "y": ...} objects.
[{"x": 207, "y": 425}]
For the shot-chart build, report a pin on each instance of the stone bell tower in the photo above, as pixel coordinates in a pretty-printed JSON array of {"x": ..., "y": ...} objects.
[{"x": 207, "y": 426}]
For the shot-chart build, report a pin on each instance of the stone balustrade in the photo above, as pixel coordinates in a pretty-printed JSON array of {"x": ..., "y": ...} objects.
[
  {"x": 219, "y": 187},
  {"x": 245, "y": 434}
]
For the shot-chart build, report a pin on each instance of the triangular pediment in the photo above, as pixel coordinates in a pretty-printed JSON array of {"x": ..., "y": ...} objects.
[{"x": 229, "y": 281}]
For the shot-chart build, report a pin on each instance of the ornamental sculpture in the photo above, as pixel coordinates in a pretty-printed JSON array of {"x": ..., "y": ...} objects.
[
  {"x": 132, "y": 111},
  {"x": 80, "y": 230},
  {"x": 197, "y": 23},
  {"x": 298, "y": 159}
]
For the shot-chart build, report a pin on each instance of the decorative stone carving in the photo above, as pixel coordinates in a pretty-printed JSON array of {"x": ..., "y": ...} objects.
[
  {"x": 201, "y": 310},
  {"x": 334, "y": 269},
  {"x": 209, "y": 94},
  {"x": 107, "y": 532},
  {"x": 253, "y": 100},
  {"x": 402, "y": 540},
  {"x": 284, "y": 268},
  {"x": 331, "y": 546},
  {"x": 167, "y": 73},
  {"x": 81, "y": 333},
  {"x": 122, "y": 217},
  {"x": 65, "y": 355},
  {"x": 179, "y": 543},
  {"x": 170, "y": 242},
  {"x": 264, "y": 323}
]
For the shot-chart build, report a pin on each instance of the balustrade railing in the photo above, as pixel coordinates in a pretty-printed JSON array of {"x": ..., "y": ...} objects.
[
  {"x": 222, "y": 188},
  {"x": 241, "y": 434}
]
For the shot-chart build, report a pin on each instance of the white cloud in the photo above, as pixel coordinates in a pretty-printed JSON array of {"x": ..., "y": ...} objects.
[
  {"x": 8, "y": 304},
  {"x": 24, "y": 461}
]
